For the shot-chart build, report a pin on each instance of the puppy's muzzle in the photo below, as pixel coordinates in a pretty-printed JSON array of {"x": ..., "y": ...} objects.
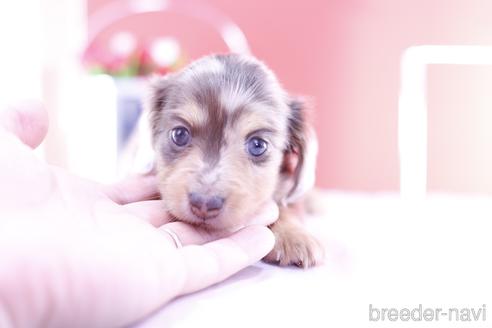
[{"x": 205, "y": 207}]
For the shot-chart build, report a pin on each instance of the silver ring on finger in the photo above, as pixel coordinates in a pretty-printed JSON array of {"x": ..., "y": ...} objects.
[{"x": 173, "y": 236}]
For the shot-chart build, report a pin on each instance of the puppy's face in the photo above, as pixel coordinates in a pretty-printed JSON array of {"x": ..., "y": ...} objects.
[{"x": 221, "y": 131}]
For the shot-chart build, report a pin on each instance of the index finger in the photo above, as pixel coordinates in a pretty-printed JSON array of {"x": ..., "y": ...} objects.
[
  {"x": 215, "y": 261},
  {"x": 28, "y": 121},
  {"x": 189, "y": 234}
]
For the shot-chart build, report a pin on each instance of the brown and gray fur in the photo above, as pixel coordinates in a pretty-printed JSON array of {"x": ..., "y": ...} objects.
[{"x": 223, "y": 100}]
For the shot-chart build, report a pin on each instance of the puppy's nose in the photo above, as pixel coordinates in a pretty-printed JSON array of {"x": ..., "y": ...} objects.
[
  {"x": 196, "y": 200},
  {"x": 214, "y": 203},
  {"x": 205, "y": 206}
]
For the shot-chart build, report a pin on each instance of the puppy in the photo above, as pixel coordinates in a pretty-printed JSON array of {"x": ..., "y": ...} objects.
[{"x": 227, "y": 139}]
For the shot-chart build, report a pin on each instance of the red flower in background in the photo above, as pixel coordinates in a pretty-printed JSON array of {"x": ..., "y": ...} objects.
[{"x": 124, "y": 56}]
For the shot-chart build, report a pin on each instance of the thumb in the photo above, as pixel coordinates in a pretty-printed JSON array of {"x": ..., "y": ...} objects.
[{"x": 28, "y": 121}]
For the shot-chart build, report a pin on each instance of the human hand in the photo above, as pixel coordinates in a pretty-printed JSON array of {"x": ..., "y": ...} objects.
[{"x": 77, "y": 253}]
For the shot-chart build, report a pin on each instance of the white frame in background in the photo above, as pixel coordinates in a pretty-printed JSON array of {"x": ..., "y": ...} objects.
[{"x": 412, "y": 107}]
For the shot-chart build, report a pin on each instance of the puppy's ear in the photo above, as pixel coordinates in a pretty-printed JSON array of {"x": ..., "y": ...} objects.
[
  {"x": 138, "y": 156},
  {"x": 157, "y": 100},
  {"x": 299, "y": 164}
]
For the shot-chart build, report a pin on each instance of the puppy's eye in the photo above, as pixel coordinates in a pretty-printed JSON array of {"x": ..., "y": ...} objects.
[
  {"x": 257, "y": 146},
  {"x": 180, "y": 136}
]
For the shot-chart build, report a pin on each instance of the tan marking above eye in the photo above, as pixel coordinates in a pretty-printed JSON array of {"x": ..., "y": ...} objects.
[
  {"x": 261, "y": 132},
  {"x": 191, "y": 115},
  {"x": 255, "y": 117}
]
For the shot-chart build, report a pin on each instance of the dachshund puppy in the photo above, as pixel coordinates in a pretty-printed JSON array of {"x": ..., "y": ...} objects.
[{"x": 227, "y": 139}]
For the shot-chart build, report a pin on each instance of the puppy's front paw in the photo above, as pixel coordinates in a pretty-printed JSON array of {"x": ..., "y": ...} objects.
[{"x": 295, "y": 247}]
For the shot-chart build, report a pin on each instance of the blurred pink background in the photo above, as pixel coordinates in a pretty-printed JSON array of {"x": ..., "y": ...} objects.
[{"x": 346, "y": 54}]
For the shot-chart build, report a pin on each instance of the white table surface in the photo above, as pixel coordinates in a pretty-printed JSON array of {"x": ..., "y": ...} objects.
[{"x": 380, "y": 251}]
